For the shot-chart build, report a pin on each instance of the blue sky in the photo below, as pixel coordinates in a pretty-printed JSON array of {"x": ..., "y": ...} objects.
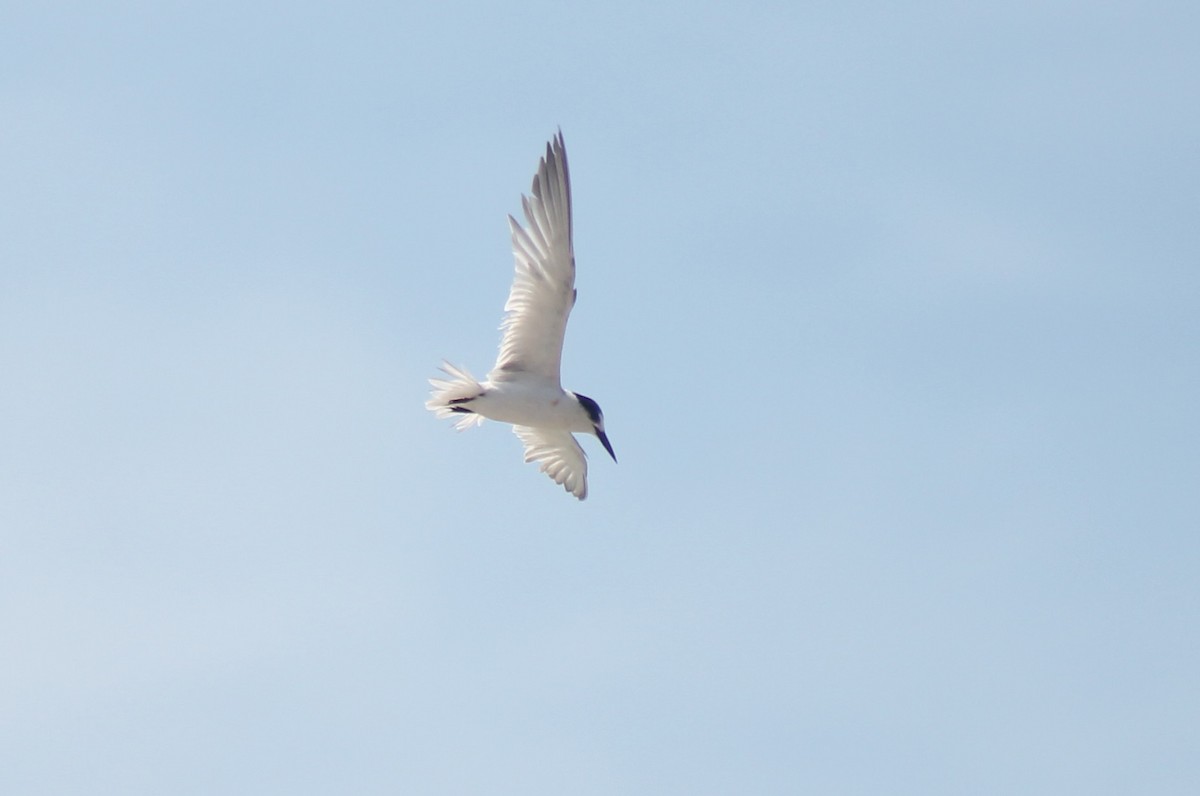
[{"x": 892, "y": 312}]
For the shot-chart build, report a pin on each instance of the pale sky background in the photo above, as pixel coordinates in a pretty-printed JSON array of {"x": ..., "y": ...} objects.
[{"x": 893, "y": 311}]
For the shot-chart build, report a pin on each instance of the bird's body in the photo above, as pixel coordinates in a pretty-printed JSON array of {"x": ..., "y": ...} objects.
[
  {"x": 531, "y": 403},
  {"x": 523, "y": 387}
]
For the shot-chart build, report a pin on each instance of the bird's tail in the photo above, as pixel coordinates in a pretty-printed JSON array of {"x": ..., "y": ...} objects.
[{"x": 451, "y": 397}]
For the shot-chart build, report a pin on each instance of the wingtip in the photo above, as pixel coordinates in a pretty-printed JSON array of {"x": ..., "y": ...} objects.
[{"x": 556, "y": 147}]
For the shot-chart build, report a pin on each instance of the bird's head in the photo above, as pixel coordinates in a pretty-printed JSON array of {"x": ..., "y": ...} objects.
[{"x": 596, "y": 417}]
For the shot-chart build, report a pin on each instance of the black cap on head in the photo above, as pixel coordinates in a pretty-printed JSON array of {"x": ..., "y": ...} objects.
[{"x": 591, "y": 407}]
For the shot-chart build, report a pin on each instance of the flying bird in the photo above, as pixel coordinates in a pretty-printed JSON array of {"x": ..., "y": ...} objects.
[{"x": 524, "y": 387}]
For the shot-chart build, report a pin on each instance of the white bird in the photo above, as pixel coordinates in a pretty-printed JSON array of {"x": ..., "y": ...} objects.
[{"x": 524, "y": 387}]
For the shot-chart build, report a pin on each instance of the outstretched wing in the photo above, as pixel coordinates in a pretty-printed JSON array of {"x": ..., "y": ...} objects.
[
  {"x": 560, "y": 455},
  {"x": 543, "y": 289}
]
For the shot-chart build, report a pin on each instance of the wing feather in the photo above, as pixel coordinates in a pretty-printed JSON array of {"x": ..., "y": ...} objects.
[
  {"x": 560, "y": 456},
  {"x": 543, "y": 289}
]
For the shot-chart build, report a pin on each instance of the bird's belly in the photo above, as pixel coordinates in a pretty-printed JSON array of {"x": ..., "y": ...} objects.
[{"x": 524, "y": 409}]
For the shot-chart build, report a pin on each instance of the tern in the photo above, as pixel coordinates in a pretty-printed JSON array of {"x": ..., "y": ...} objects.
[{"x": 524, "y": 387}]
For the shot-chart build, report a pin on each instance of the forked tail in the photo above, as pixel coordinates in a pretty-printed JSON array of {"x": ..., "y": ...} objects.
[{"x": 451, "y": 397}]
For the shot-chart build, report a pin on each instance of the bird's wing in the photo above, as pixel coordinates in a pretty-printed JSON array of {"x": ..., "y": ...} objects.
[
  {"x": 560, "y": 455},
  {"x": 543, "y": 289}
]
